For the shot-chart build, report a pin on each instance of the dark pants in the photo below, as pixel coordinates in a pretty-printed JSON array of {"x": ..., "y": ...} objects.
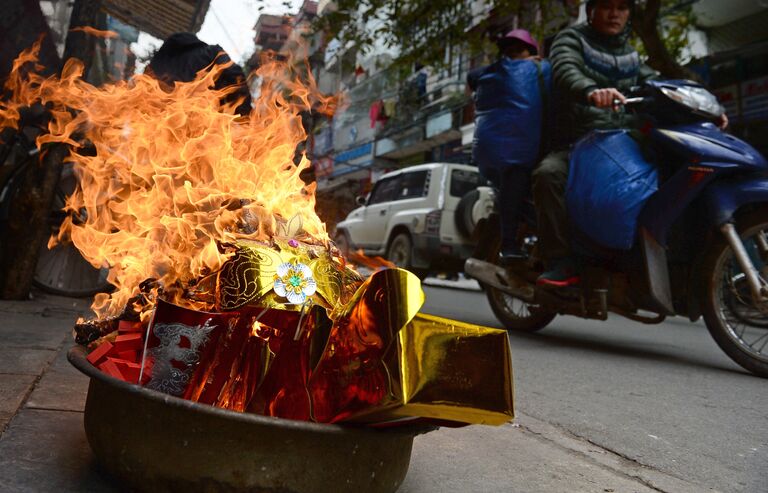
[
  {"x": 550, "y": 178},
  {"x": 513, "y": 184}
]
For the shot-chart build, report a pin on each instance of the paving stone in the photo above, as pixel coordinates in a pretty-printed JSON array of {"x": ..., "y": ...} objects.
[
  {"x": 46, "y": 451},
  {"x": 25, "y": 361},
  {"x": 13, "y": 390},
  {"x": 61, "y": 388},
  {"x": 33, "y": 331},
  {"x": 512, "y": 460}
]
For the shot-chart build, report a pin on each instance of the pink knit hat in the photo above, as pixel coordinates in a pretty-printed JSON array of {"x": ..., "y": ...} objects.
[{"x": 524, "y": 36}]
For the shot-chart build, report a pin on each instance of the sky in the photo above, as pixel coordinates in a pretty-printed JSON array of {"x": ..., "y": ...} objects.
[{"x": 228, "y": 23}]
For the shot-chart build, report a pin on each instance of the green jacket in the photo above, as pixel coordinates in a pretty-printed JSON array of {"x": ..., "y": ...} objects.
[{"x": 583, "y": 60}]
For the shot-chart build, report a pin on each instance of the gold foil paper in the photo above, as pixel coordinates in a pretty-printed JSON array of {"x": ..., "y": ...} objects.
[
  {"x": 454, "y": 371},
  {"x": 248, "y": 277}
]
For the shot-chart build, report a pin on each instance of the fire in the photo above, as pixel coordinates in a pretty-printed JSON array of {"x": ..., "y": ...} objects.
[{"x": 172, "y": 175}]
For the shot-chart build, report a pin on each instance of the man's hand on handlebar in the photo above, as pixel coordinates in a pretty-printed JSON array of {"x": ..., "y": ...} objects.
[
  {"x": 722, "y": 122},
  {"x": 606, "y": 98}
]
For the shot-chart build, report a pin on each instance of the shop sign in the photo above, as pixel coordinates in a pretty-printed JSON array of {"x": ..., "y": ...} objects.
[{"x": 354, "y": 153}]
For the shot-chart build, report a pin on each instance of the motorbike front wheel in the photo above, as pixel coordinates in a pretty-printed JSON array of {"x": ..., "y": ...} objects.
[
  {"x": 515, "y": 313},
  {"x": 738, "y": 324}
]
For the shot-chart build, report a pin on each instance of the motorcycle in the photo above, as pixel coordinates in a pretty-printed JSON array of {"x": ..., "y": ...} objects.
[{"x": 700, "y": 247}]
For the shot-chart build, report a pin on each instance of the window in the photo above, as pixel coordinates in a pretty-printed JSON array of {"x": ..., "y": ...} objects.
[
  {"x": 384, "y": 191},
  {"x": 463, "y": 182},
  {"x": 413, "y": 185}
]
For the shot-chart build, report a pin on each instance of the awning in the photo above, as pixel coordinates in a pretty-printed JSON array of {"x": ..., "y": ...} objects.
[{"x": 160, "y": 18}]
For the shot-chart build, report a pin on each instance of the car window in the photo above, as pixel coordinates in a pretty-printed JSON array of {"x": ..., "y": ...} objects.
[
  {"x": 464, "y": 181},
  {"x": 412, "y": 185},
  {"x": 385, "y": 190}
]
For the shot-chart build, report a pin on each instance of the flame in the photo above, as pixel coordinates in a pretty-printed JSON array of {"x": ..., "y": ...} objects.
[
  {"x": 172, "y": 174},
  {"x": 92, "y": 31},
  {"x": 358, "y": 257}
]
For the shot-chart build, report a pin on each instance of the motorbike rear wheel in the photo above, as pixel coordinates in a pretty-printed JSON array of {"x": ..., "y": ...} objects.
[
  {"x": 514, "y": 313},
  {"x": 738, "y": 325}
]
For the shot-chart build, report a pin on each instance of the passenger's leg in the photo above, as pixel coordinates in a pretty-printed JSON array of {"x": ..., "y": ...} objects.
[{"x": 514, "y": 187}]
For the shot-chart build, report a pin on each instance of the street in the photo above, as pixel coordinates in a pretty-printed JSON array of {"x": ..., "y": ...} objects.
[{"x": 662, "y": 397}]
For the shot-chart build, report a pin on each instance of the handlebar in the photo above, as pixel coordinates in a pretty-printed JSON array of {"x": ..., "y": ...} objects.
[{"x": 616, "y": 104}]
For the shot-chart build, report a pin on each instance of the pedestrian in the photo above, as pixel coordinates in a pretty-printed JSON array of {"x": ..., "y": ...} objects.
[
  {"x": 592, "y": 64},
  {"x": 183, "y": 55},
  {"x": 510, "y": 100}
]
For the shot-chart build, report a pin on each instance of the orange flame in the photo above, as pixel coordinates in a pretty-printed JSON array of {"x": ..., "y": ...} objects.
[
  {"x": 176, "y": 173},
  {"x": 92, "y": 31},
  {"x": 357, "y": 257}
]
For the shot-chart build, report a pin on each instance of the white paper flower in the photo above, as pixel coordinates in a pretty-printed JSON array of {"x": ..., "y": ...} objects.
[{"x": 295, "y": 282}]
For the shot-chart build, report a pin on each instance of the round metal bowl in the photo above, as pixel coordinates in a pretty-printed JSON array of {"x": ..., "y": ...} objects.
[{"x": 155, "y": 442}]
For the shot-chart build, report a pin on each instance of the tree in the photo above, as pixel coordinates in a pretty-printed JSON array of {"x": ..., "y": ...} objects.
[{"x": 663, "y": 27}]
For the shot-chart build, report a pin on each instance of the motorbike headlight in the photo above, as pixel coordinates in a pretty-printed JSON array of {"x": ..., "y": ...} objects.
[{"x": 698, "y": 99}]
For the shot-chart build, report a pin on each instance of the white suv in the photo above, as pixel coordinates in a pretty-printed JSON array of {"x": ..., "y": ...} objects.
[{"x": 420, "y": 218}]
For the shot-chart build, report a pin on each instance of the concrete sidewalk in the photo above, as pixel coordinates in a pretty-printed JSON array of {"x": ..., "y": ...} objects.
[{"x": 43, "y": 447}]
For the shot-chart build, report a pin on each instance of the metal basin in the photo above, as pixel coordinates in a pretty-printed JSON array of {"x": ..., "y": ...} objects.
[{"x": 155, "y": 442}]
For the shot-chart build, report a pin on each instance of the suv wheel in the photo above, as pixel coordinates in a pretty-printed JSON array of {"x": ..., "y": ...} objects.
[{"x": 400, "y": 252}]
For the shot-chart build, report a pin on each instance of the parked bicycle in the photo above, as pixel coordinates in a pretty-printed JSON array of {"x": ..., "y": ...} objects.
[{"x": 60, "y": 270}]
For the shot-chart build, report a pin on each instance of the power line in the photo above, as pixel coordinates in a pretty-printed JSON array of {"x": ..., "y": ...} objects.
[{"x": 226, "y": 33}]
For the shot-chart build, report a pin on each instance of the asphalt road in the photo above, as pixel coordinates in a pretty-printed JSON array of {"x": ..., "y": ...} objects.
[{"x": 664, "y": 396}]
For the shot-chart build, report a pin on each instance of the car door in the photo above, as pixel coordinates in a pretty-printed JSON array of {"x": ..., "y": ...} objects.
[{"x": 371, "y": 234}]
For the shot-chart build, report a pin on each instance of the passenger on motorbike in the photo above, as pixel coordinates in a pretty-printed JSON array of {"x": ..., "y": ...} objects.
[
  {"x": 592, "y": 64},
  {"x": 510, "y": 112}
]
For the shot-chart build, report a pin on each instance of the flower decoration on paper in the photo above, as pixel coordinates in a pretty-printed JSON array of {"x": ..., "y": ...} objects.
[{"x": 294, "y": 281}]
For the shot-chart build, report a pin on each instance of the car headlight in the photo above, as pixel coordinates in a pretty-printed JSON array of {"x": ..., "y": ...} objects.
[{"x": 698, "y": 99}]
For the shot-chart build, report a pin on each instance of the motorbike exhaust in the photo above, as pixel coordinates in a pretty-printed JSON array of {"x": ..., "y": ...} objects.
[{"x": 500, "y": 278}]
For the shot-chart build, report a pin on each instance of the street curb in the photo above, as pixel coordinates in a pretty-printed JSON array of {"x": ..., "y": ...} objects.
[{"x": 607, "y": 458}]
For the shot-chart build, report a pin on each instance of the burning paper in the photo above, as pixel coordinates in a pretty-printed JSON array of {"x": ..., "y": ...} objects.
[{"x": 170, "y": 176}]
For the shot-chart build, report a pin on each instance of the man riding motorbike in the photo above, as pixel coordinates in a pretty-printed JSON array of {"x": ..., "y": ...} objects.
[{"x": 592, "y": 64}]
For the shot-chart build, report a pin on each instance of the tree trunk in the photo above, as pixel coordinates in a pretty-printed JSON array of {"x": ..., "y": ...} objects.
[
  {"x": 28, "y": 224},
  {"x": 80, "y": 45},
  {"x": 646, "y": 25},
  {"x": 21, "y": 24}
]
